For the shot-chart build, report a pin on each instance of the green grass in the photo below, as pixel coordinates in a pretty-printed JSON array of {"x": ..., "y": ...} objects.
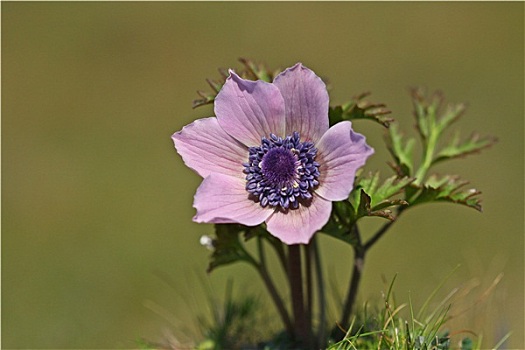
[
  {"x": 387, "y": 328},
  {"x": 243, "y": 322}
]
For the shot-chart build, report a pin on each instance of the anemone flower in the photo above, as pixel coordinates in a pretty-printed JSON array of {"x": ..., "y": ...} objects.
[{"x": 270, "y": 156}]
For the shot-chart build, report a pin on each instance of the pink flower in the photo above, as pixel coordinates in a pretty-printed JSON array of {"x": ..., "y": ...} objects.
[{"x": 270, "y": 156}]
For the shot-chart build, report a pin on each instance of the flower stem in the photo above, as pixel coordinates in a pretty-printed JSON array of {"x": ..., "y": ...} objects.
[
  {"x": 296, "y": 287},
  {"x": 321, "y": 335},
  {"x": 357, "y": 272},
  {"x": 378, "y": 235},
  {"x": 308, "y": 252},
  {"x": 263, "y": 272},
  {"x": 279, "y": 250},
  {"x": 360, "y": 251}
]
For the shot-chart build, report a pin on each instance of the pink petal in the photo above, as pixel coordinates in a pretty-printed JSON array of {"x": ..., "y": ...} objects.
[
  {"x": 297, "y": 226},
  {"x": 223, "y": 199},
  {"x": 249, "y": 110},
  {"x": 306, "y": 102},
  {"x": 206, "y": 148},
  {"x": 341, "y": 151}
]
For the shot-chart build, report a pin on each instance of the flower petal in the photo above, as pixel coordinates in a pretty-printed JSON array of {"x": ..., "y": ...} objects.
[
  {"x": 249, "y": 110},
  {"x": 297, "y": 226},
  {"x": 341, "y": 151},
  {"x": 223, "y": 199},
  {"x": 206, "y": 148},
  {"x": 306, "y": 102}
]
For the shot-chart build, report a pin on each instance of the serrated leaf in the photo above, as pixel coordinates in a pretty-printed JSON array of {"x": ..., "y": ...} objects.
[
  {"x": 206, "y": 98},
  {"x": 250, "y": 71},
  {"x": 257, "y": 71},
  {"x": 425, "y": 110},
  {"x": 381, "y": 195},
  {"x": 369, "y": 183},
  {"x": 390, "y": 203},
  {"x": 402, "y": 151},
  {"x": 431, "y": 117},
  {"x": 365, "y": 208},
  {"x": 455, "y": 149},
  {"x": 447, "y": 189},
  {"x": 227, "y": 246},
  {"x": 452, "y": 113},
  {"x": 364, "y": 204},
  {"x": 373, "y": 198},
  {"x": 358, "y": 108}
]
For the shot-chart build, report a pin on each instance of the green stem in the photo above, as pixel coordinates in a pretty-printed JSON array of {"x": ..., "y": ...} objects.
[
  {"x": 279, "y": 249},
  {"x": 309, "y": 289},
  {"x": 296, "y": 287},
  {"x": 378, "y": 235},
  {"x": 263, "y": 272},
  {"x": 360, "y": 251},
  {"x": 430, "y": 147},
  {"x": 359, "y": 261},
  {"x": 321, "y": 336}
]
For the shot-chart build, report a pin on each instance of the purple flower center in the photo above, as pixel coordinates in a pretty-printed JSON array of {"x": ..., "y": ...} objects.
[
  {"x": 282, "y": 172},
  {"x": 279, "y": 166}
]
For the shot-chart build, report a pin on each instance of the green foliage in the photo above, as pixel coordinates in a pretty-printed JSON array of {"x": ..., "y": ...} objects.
[
  {"x": 232, "y": 322},
  {"x": 401, "y": 151},
  {"x": 227, "y": 246},
  {"x": 447, "y": 189},
  {"x": 386, "y": 328},
  {"x": 358, "y": 108},
  {"x": 410, "y": 185},
  {"x": 432, "y": 119},
  {"x": 372, "y": 196},
  {"x": 341, "y": 222},
  {"x": 250, "y": 70},
  {"x": 456, "y": 148}
]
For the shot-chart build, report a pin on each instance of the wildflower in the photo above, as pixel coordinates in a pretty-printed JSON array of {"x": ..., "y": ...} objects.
[
  {"x": 207, "y": 241},
  {"x": 270, "y": 156}
]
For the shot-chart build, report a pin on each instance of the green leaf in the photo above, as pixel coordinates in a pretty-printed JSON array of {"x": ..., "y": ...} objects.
[
  {"x": 358, "y": 108},
  {"x": 432, "y": 117},
  {"x": 401, "y": 151},
  {"x": 365, "y": 209},
  {"x": 251, "y": 71},
  {"x": 380, "y": 196},
  {"x": 425, "y": 110},
  {"x": 227, "y": 246},
  {"x": 447, "y": 189},
  {"x": 371, "y": 199},
  {"x": 256, "y": 71},
  {"x": 364, "y": 204},
  {"x": 474, "y": 144},
  {"x": 206, "y": 98}
]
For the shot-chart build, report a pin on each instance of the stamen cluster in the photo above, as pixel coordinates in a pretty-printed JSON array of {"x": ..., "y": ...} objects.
[{"x": 282, "y": 172}]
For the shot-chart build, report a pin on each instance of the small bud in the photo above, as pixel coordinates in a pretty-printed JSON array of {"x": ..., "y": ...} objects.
[{"x": 207, "y": 241}]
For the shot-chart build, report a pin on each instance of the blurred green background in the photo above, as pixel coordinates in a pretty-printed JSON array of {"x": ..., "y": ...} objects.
[{"x": 98, "y": 246}]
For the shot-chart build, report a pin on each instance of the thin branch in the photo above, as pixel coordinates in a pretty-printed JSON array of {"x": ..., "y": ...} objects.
[
  {"x": 382, "y": 230},
  {"x": 279, "y": 249},
  {"x": 308, "y": 253},
  {"x": 377, "y": 235},
  {"x": 321, "y": 336},
  {"x": 357, "y": 272},
  {"x": 279, "y": 304}
]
